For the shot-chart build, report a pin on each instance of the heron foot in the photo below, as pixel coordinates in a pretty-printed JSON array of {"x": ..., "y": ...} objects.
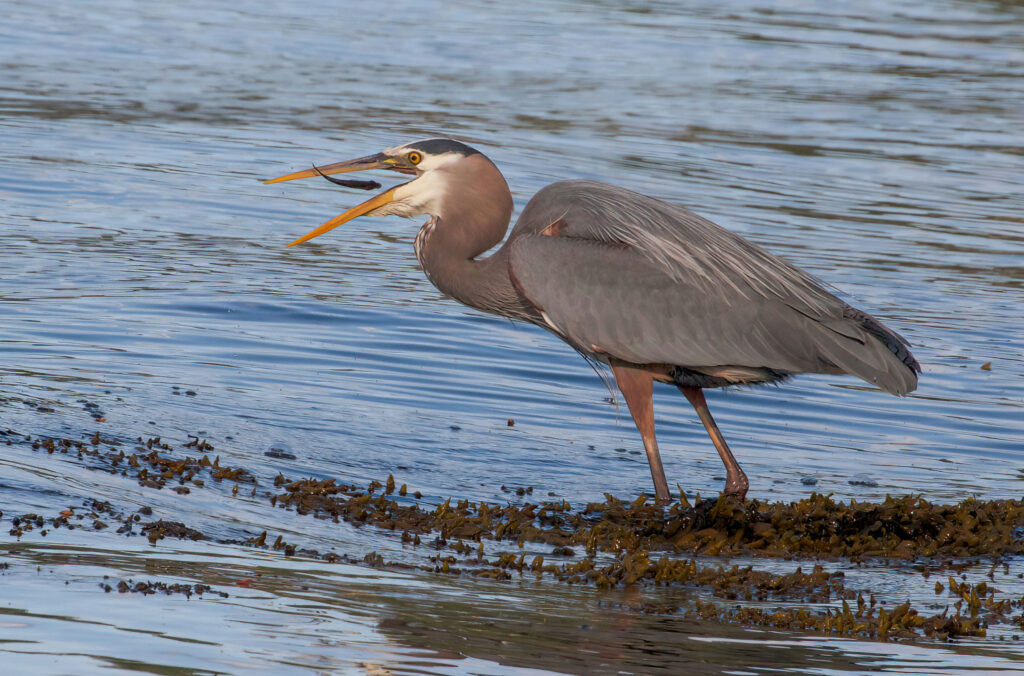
[{"x": 736, "y": 486}]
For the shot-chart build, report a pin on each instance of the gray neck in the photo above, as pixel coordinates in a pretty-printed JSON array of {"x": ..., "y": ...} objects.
[{"x": 474, "y": 218}]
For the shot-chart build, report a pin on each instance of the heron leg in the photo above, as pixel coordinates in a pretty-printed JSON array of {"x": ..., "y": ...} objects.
[
  {"x": 636, "y": 386},
  {"x": 735, "y": 480}
]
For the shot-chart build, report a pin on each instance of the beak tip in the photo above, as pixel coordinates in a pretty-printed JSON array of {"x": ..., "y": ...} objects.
[{"x": 366, "y": 207}]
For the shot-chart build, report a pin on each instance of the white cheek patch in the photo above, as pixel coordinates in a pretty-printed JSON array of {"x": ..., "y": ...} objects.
[
  {"x": 420, "y": 196},
  {"x": 431, "y": 162}
]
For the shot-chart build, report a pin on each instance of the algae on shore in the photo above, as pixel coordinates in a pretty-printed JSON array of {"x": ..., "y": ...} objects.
[{"x": 621, "y": 543}]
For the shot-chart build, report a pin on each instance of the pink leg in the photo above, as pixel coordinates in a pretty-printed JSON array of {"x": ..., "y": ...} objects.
[
  {"x": 636, "y": 386},
  {"x": 735, "y": 480}
]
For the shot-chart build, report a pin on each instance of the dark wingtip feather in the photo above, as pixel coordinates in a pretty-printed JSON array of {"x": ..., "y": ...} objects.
[
  {"x": 896, "y": 343},
  {"x": 899, "y": 378}
]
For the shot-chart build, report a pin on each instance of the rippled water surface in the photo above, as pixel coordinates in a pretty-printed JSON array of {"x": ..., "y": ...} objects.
[{"x": 878, "y": 146}]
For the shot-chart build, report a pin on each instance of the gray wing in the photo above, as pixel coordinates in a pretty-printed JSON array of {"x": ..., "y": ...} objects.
[
  {"x": 610, "y": 285},
  {"x": 684, "y": 246}
]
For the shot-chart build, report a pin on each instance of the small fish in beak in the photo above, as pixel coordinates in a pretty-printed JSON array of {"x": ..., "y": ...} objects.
[
  {"x": 349, "y": 182},
  {"x": 377, "y": 205}
]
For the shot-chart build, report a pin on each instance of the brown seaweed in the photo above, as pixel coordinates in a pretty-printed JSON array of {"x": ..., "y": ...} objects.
[{"x": 615, "y": 542}]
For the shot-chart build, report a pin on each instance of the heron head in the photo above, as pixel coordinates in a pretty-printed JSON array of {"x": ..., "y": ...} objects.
[{"x": 427, "y": 160}]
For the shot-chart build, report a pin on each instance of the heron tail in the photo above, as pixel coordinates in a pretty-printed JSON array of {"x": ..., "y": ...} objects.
[{"x": 864, "y": 347}]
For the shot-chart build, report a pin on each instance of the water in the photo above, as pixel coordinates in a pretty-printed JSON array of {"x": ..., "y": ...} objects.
[{"x": 878, "y": 147}]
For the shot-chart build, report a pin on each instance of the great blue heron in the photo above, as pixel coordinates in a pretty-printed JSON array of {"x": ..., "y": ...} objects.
[{"x": 651, "y": 289}]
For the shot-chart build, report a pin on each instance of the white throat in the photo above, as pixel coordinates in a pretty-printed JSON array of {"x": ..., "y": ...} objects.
[{"x": 423, "y": 195}]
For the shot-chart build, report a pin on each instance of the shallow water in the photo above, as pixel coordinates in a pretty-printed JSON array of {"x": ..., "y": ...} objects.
[{"x": 878, "y": 148}]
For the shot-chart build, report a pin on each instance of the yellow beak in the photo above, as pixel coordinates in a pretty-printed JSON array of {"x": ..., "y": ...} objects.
[
  {"x": 366, "y": 207},
  {"x": 378, "y": 161}
]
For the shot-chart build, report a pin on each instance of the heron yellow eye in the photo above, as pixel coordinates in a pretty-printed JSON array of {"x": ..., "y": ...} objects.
[{"x": 415, "y": 157}]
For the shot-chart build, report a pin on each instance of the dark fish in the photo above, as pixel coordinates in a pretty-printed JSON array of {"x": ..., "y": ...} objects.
[{"x": 350, "y": 182}]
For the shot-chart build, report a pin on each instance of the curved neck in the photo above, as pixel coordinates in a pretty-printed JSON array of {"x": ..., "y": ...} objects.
[
  {"x": 453, "y": 267},
  {"x": 473, "y": 218}
]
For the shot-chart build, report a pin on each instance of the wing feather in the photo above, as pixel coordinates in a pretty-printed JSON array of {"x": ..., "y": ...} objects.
[
  {"x": 686, "y": 247},
  {"x": 612, "y": 298}
]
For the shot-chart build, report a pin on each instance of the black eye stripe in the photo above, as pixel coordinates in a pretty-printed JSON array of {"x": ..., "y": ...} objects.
[{"x": 440, "y": 146}]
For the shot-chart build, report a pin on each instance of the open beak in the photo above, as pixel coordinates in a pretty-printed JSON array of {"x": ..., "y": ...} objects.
[
  {"x": 366, "y": 207},
  {"x": 378, "y": 161}
]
